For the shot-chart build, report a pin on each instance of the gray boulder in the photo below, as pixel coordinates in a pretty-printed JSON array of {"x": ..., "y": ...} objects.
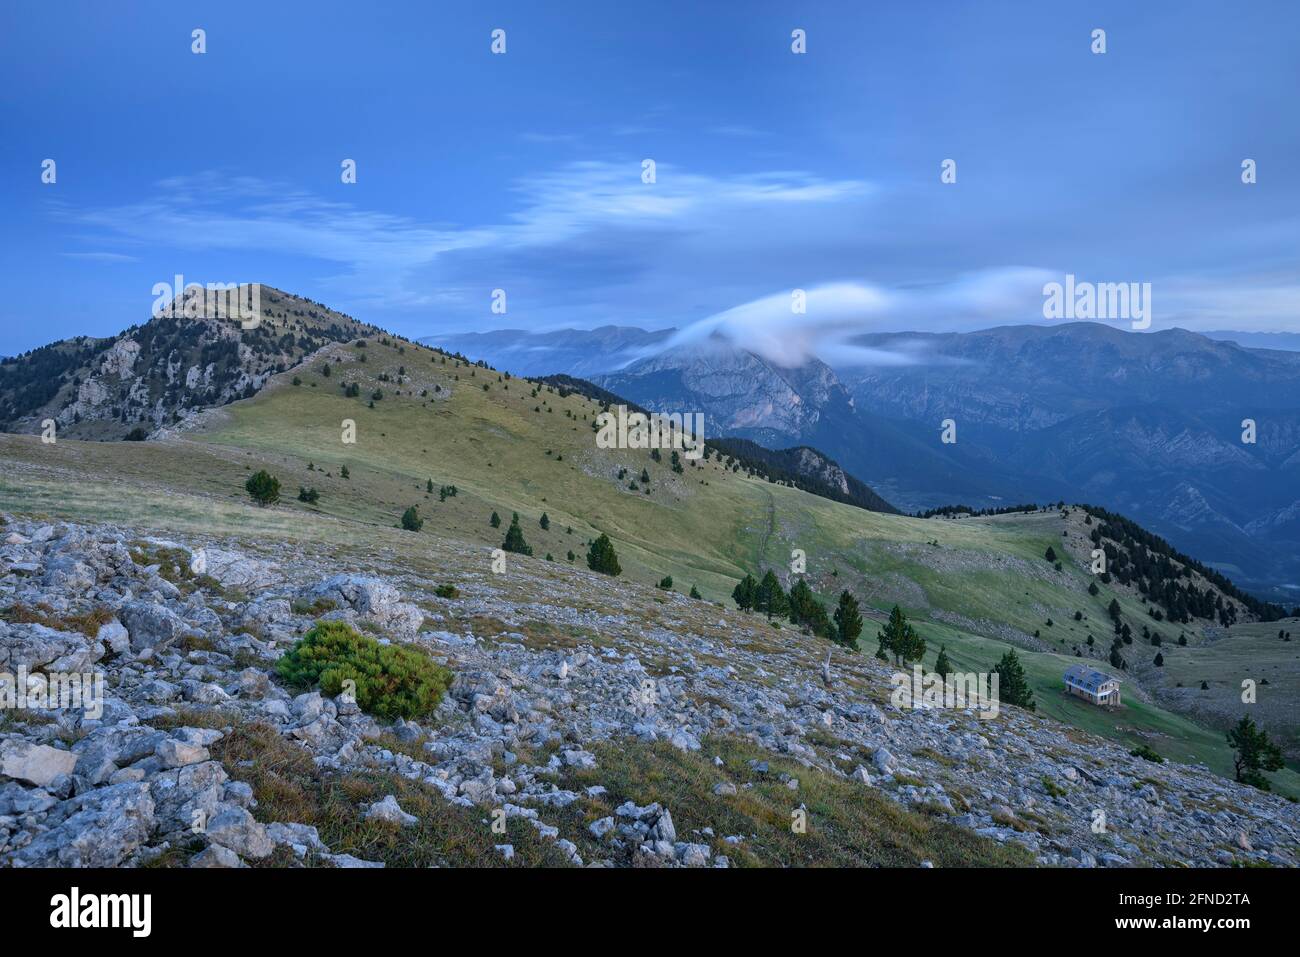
[
  {"x": 234, "y": 828},
  {"x": 37, "y": 764},
  {"x": 100, "y": 828},
  {"x": 389, "y": 811},
  {"x": 151, "y": 625}
]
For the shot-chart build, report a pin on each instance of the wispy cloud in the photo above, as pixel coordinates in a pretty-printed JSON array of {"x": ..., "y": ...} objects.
[
  {"x": 393, "y": 261},
  {"x": 788, "y": 328},
  {"x": 101, "y": 257},
  {"x": 589, "y": 243}
]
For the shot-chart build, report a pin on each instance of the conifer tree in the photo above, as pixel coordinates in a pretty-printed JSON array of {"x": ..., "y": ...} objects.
[
  {"x": 515, "y": 538},
  {"x": 495, "y": 520},
  {"x": 601, "y": 557},
  {"x": 770, "y": 597},
  {"x": 1253, "y": 754},
  {"x": 263, "y": 488},
  {"x": 900, "y": 639},
  {"x": 802, "y": 602},
  {"x": 942, "y": 666},
  {"x": 745, "y": 593},
  {"x": 545, "y": 522},
  {"x": 411, "y": 520},
  {"x": 848, "y": 621},
  {"x": 1013, "y": 686}
]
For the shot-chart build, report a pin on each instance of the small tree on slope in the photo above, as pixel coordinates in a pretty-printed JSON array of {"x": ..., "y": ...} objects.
[
  {"x": 601, "y": 557},
  {"x": 515, "y": 538},
  {"x": 1013, "y": 686},
  {"x": 848, "y": 621}
]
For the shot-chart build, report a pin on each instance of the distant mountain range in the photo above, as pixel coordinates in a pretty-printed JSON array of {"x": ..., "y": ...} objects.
[
  {"x": 1288, "y": 341},
  {"x": 577, "y": 352},
  {"x": 1149, "y": 425}
]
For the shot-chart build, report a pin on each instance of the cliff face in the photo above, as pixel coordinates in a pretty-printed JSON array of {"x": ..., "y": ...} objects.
[{"x": 737, "y": 390}]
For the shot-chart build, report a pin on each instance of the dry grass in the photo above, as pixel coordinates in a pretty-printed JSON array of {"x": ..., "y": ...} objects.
[
  {"x": 290, "y": 788},
  {"x": 87, "y": 623}
]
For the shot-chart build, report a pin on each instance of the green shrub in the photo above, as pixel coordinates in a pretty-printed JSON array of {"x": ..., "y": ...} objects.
[
  {"x": 446, "y": 591},
  {"x": 264, "y": 488},
  {"x": 1148, "y": 753},
  {"x": 411, "y": 520},
  {"x": 392, "y": 681}
]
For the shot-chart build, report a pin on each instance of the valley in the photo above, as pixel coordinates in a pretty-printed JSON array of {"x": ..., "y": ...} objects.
[{"x": 973, "y": 585}]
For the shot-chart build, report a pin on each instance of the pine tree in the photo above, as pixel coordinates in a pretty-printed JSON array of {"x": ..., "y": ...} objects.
[
  {"x": 802, "y": 602},
  {"x": 495, "y": 520},
  {"x": 848, "y": 621},
  {"x": 264, "y": 488},
  {"x": 428, "y": 486},
  {"x": 1254, "y": 753},
  {"x": 1013, "y": 686},
  {"x": 601, "y": 557},
  {"x": 942, "y": 666},
  {"x": 770, "y": 597},
  {"x": 666, "y": 583},
  {"x": 1050, "y": 554},
  {"x": 745, "y": 593},
  {"x": 515, "y": 538},
  {"x": 695, "y": 592},
  {"x": 411, "y": 520},
  {"x": 545, "y": 522},
  {"x": 900, "y": 639}
]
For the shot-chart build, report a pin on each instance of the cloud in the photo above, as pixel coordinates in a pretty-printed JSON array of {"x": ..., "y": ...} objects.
[
  {"x": 1246, "y": 304},
  {"x": 588, "y": 243},
  {"x": 835, "y": 313},
  {"x": 594, "y": 224}
]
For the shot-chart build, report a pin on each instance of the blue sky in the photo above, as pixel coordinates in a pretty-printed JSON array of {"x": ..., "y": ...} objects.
[{"x": 774, "y": 171}]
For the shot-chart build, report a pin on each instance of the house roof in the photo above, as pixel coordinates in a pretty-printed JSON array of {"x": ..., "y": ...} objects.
[{"x": 1088, "y": 678}]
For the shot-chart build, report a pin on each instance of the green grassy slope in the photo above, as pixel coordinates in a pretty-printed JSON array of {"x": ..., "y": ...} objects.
[{"x": 974, "y": 584}]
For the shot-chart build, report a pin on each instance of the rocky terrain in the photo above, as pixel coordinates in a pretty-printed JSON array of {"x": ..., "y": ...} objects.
[
  {"x": 186, "y": 634},
  {"x": 164, "y": 371}
]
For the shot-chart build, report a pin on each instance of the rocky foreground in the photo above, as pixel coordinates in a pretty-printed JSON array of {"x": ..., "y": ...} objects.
[{"x": 187, "y": 636}]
